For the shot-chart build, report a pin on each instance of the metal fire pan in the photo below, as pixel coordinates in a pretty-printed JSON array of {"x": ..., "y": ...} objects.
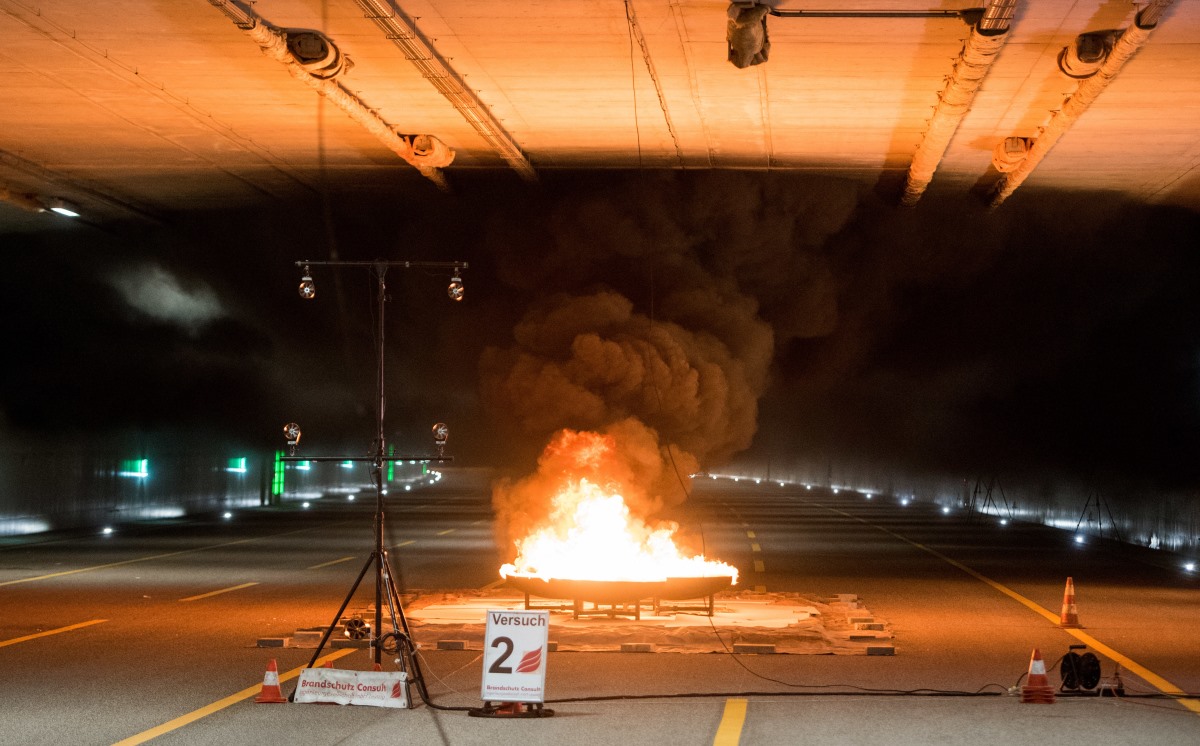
[{"x": 620, "y": 591}]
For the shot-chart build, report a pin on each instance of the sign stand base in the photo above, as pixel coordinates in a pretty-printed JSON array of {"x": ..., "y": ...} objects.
[{"x": 511, "y": 710}]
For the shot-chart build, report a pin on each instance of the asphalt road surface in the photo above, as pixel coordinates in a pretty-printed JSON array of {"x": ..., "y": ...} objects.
[{"x": 151, "y": 633}]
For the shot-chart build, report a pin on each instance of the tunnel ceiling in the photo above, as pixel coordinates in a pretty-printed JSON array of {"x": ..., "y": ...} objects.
[{"x": 134, "y": 109}]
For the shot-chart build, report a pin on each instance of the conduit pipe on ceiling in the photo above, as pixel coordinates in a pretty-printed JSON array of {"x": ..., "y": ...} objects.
[
  {"x": 1077, "y": 103},
  {"x": 986, "y": 40},
  {"x": 423, "y": 152},
  {"x": 401, "y": 31}
]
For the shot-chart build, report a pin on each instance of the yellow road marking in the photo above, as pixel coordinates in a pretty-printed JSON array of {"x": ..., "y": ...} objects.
[
  {"x": 217, "y": 593},
  {"x": 494, "y": 584},
  {"x": 476, "y": 523},
  {"x": 754, "y": 547},
  {"x": 759, "y": 566},
  {"x": 221, "y": 704},
  {"x": 330, "y": 562},
  {"x": 447, "y": 531},
  {"x": 47, "y": 633},
  {"x": 404, "y": 543},
  {"x": 122, "y": 562},
  {"x": 751, "y": 535},
  {"x": 152, "y": 557},
  {"x": 729, "y": 732},
  {"x": 1149, "y": 676}
]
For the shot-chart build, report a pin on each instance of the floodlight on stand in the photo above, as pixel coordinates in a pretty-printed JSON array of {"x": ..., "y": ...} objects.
[
  {"x": 441, "y": 433},
  {"x": 455, "y": 289},
  {"x": 308, "y": 290},
  {"x": 291, "y": 431}
]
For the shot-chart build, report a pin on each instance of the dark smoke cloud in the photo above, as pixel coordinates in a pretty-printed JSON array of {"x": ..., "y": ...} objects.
[
  {"x": 668, "y": 294},
  {"x": 1060, "y": 331}
]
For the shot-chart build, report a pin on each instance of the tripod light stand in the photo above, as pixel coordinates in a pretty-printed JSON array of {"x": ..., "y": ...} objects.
[{"x": 399, "y": 640}]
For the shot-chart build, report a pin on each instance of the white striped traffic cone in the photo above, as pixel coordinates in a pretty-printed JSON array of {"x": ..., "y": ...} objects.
[
  {"x": 270, "y": 693},
  {"x": 1037, "y": 689},
  {"x": 1069, "y": 619}
]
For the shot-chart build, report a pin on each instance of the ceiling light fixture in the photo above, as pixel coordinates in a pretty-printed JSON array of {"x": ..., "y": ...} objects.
[{"x": 62, "y": 207}]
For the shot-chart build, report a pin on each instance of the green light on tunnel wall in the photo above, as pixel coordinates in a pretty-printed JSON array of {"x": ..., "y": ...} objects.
[
  {"x": 237, "y": 465},
  {"x": 424, "y": 469},
  {"x": 277, "y": 475},
  {"x": 391, "y": 464},
  {"x": 138, "y": 468}
]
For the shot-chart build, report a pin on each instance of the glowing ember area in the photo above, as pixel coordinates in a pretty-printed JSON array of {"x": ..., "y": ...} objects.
[{"x": 593, "y": 536}]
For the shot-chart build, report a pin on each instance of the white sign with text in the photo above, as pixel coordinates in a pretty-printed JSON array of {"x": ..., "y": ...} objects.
[
  {"x": 514, "y": 656},
  {"x": 345, "y": 687}
]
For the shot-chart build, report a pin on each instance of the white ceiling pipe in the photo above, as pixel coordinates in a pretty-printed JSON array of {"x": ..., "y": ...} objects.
[
  {"x": 273, "y": 42},
  {"x": 985, "y": 42},
  {"x": 274, "y": 45},
  {"x": 1076, "y": 104}
]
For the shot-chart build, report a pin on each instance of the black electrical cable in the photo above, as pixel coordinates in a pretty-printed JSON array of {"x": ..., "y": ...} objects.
[{"x": 856, "y": 692}]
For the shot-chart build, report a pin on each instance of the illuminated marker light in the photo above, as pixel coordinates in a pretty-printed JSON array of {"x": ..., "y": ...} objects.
[
  {"x": 758, "y": 481},
  {"x": 408, "y": 488},
  {"x": 1078, "y": 538},
  {"x": 227, "y": 515},
  {"x": 350, "y": 498},
  {"x": 303, "y": 466},
  {"x": 904, "y": 502},
  {"x": 869, "y": 497},
  {"x": 781, "y": 484},
  {"x": 304, "y": 505},
  {"x": 138, "y": 468},
  {"x": 347, "y": 464},
  {"x": 237, "y": 465},
  {"x": 945, "y": 510},
  {"x": 1003, "y": 521},
  {"x": 808, "y": 486},
  {"x": 107, "y": 531},
  {"x": 1190, "y": 567},
  {"x": 277, "y": 474},
  {"x": 735, "y": 479},
  {"x": 835, "y": 490}
]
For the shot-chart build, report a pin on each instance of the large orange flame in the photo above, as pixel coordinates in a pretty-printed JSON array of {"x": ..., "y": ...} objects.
[{"x": 591, "y": 535}]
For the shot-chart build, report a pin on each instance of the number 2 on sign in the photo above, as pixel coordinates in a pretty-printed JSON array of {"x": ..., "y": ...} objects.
[{"x": 497, "y": 666}]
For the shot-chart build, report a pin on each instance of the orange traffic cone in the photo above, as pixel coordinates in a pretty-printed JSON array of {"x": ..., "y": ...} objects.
[
  {"x": 1069, "y": 619},
  {"x": 270, "y": 687},
  {"x": 1037, "y": 689}
]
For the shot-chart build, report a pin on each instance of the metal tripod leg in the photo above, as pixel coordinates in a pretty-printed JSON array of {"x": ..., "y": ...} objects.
[
  {"x": 337, "y": 617},
  {"x": 406, "y": 647}
]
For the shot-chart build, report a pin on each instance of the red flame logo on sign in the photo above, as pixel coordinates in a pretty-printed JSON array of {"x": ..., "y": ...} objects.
[
  {"x": 530, "y": 661},
  {"x": 397, "y": 691}
]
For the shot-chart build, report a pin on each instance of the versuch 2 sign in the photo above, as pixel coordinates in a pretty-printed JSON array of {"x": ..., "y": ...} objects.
[{"x": 514, "y": 656}]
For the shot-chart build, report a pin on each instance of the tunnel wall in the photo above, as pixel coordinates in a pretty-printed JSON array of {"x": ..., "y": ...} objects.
[
  {"x": 46, "y": 492},
  {"x": 1137, "y": 514}
]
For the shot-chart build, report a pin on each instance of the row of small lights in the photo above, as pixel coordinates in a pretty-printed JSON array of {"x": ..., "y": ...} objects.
[
  {"x": 435, "y": 477},
  {"x": 1080, "y": 539}
]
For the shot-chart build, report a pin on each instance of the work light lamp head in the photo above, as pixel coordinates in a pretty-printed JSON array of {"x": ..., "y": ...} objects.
[{"x": 308, "y": 290}]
